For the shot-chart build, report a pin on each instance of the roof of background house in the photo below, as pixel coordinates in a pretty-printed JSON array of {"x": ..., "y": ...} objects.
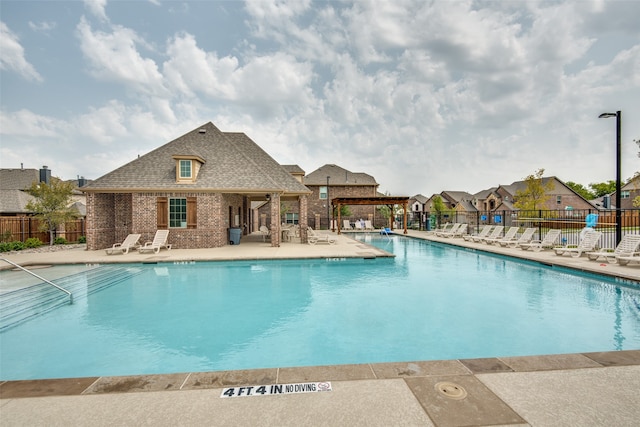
[
  {"x": 338, "y": 176},
  {"x": 18, "y": 179},
  {"x": 457, "y": 195},
  {"x": 233, "y": 163},
  {"x": 294, "y": 169},
  {"x": 467, "y": 205},
  {"x": 522, "y": 185},
  {"x": 420, "y": 198},
  {"x": 483, "y": 194},
  {"x": 14, "y": 201}
]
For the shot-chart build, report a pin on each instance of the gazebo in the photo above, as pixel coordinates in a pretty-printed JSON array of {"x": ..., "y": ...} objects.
[{"x": 381, "y": 200}]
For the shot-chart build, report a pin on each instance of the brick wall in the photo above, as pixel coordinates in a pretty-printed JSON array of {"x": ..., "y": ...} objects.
[{"x": 111, "y": 217}]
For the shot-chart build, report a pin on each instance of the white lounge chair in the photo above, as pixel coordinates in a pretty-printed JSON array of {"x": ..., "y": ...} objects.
[
  {"x": 368, "y": 225},
  {"x": 132, "y": 241},
  {"x": 629, "y": 258},
  {"x": 509, "y": 236},
  {"x": 313, "y": 237},
  {"x": 461, "y": 231},
  {"x": 265, "y": 232},
  {"x": 453, "y": 229},
  {"x": 629, "y": 244},
  {"x": 587, "y": 244},
  {"x": 358, "y": 225},
  {"x": 346, "y": 225},
  {"x": 497, "y": 230},
  {"x": 159, "y": 242},
  {"x": 484, "y": 232},
  {"x": 548, "y": 242},
  {"x": 524, "y": 238}
]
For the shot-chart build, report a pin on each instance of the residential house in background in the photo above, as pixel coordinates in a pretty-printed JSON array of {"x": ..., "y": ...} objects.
[
  {"x": 417, "y": 205},
  {"x": 628, "y": 193},
  {"x": 326, "y": 183},
  {"x": 331, "y": 181},
  {"x": 198, "y": 186},
  {"x": 559, "y": 196},
  {"x": 14, "y": 184}
]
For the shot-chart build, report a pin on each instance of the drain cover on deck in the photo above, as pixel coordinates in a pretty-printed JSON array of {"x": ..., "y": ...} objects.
[{"x": 451, "y": 390}]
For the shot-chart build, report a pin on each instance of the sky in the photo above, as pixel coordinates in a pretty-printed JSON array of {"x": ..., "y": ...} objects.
[{"x": 425, "y": 96}]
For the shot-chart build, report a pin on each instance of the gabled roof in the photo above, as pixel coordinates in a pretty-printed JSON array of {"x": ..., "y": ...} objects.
[
  {"x": 457, "y": 196},
  {"x": 483, "y": 194},
  {"x": 633, "y": 184},
  {"x": 233, "y": 163},
  {"x": 294, "y": 169},
  {"x": 522, "y": 185},
  {"x": 18, "y": 179},
  {"x": 420, "y": 198},
  {"x": 467, "y": 206},
  {"x": 14, "y": 201},
  {"x": 338, "y": 176}
]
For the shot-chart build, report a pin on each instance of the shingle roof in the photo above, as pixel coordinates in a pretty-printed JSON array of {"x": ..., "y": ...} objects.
[
  {"x": 294, "y": 169},
  {"x": 338, "y": 176},
  {"x": 18, "y": 179},
  {"x": 233, "y": 163},
  {"x": 14, "y": 201}
]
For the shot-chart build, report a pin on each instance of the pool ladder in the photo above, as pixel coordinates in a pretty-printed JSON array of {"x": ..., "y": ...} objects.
[{"x": 41, "y": 278}]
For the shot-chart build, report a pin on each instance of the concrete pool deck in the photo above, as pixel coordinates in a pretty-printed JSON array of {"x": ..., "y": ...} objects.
[{"x": 554, "y": 390}]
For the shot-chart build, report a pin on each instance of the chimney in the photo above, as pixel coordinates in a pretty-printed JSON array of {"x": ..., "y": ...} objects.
[
  {"x": 81, "y": 181},
  {"x": 45, "y": 175}
]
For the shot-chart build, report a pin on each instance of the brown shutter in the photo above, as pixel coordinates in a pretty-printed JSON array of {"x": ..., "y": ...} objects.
[
  {"x": 192, "y": 212},
  {"x": 162, "y": 209}
]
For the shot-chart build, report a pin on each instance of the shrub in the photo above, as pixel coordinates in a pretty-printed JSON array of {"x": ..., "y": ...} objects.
[
  {"x": 6, "y": 246},
  {"x": 6, "y": 236},
  {"x": 60, "y": 241},
  {"x": 17, "y": 245},
  {"x": 32, "y": 242},
  {"x": 82, "y": 239}
]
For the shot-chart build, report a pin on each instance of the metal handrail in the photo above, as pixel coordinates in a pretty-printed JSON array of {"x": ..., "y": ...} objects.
[{"x": 41, "y": 278}]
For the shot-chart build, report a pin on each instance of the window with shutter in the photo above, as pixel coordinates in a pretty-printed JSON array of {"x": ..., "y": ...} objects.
[{"x": 162, "y": 213}]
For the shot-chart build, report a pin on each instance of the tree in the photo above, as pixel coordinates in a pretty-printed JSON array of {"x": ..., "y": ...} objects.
[
  {"x": 52, "y": 204},
  {"x": 581, "y": 190},
  {"x": 534, "y": 196},
  {"x": 603, "y": 188}
]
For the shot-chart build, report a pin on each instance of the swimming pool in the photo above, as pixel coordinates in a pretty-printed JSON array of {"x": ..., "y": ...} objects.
[{"x": 431, "y": 301}]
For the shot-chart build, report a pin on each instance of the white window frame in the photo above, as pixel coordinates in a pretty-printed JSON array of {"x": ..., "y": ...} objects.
[
  {"x": 182, "y": 162},
  {"x": 323, "y": 192}
]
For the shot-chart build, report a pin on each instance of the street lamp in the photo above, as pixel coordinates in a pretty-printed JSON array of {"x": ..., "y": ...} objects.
[
  {"x": 618, "y": 116},
  {"x": 328, "y": 217}
]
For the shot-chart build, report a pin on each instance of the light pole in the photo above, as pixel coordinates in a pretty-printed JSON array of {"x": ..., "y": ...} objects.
[
  {"x": 618, "y": 116},
  {"x": 328, "y": 217}
]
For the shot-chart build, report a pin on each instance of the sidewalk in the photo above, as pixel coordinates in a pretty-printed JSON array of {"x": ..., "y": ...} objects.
[{"x": 551, "y": 390}]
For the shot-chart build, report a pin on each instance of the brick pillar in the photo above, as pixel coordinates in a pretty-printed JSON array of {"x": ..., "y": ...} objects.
[
  {"x": 303, "y": 223},
  {"x": 275, "y": 219}
]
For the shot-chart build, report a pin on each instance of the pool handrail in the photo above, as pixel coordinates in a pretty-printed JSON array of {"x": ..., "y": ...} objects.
[{"x": 41, "y": 278}]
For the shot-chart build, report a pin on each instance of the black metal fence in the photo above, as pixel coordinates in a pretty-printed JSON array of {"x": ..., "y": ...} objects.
[{"x": 570, "y": 222}]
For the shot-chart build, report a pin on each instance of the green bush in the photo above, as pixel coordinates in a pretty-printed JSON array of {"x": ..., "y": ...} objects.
[
  {"x": 6, "y": 246},
  {"x": 17, "y": 246},
  {"x": 60, "y": 241},
  {"x": 82, "y": 239},
  {"x": 32, "y": 242}
]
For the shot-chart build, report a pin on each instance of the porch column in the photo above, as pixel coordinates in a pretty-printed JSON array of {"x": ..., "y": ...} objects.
[
  {"x": 275, "y": 219},
  {"x": 303, "y": 222}
]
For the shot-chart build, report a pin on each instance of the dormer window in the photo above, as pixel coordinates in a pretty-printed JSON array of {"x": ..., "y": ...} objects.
[{"x": 187, "y": 168}]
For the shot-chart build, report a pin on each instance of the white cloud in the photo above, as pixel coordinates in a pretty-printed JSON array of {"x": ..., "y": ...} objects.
[
  {"x": 42, "y": 27},
  {"x": 12, "y": 55},
  {"x": 114, "y": 57},
  {"x": 97, "y": 9}
]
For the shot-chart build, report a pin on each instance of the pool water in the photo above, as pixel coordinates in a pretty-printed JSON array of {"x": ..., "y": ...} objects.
[{"x": 431, "y": 301}]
